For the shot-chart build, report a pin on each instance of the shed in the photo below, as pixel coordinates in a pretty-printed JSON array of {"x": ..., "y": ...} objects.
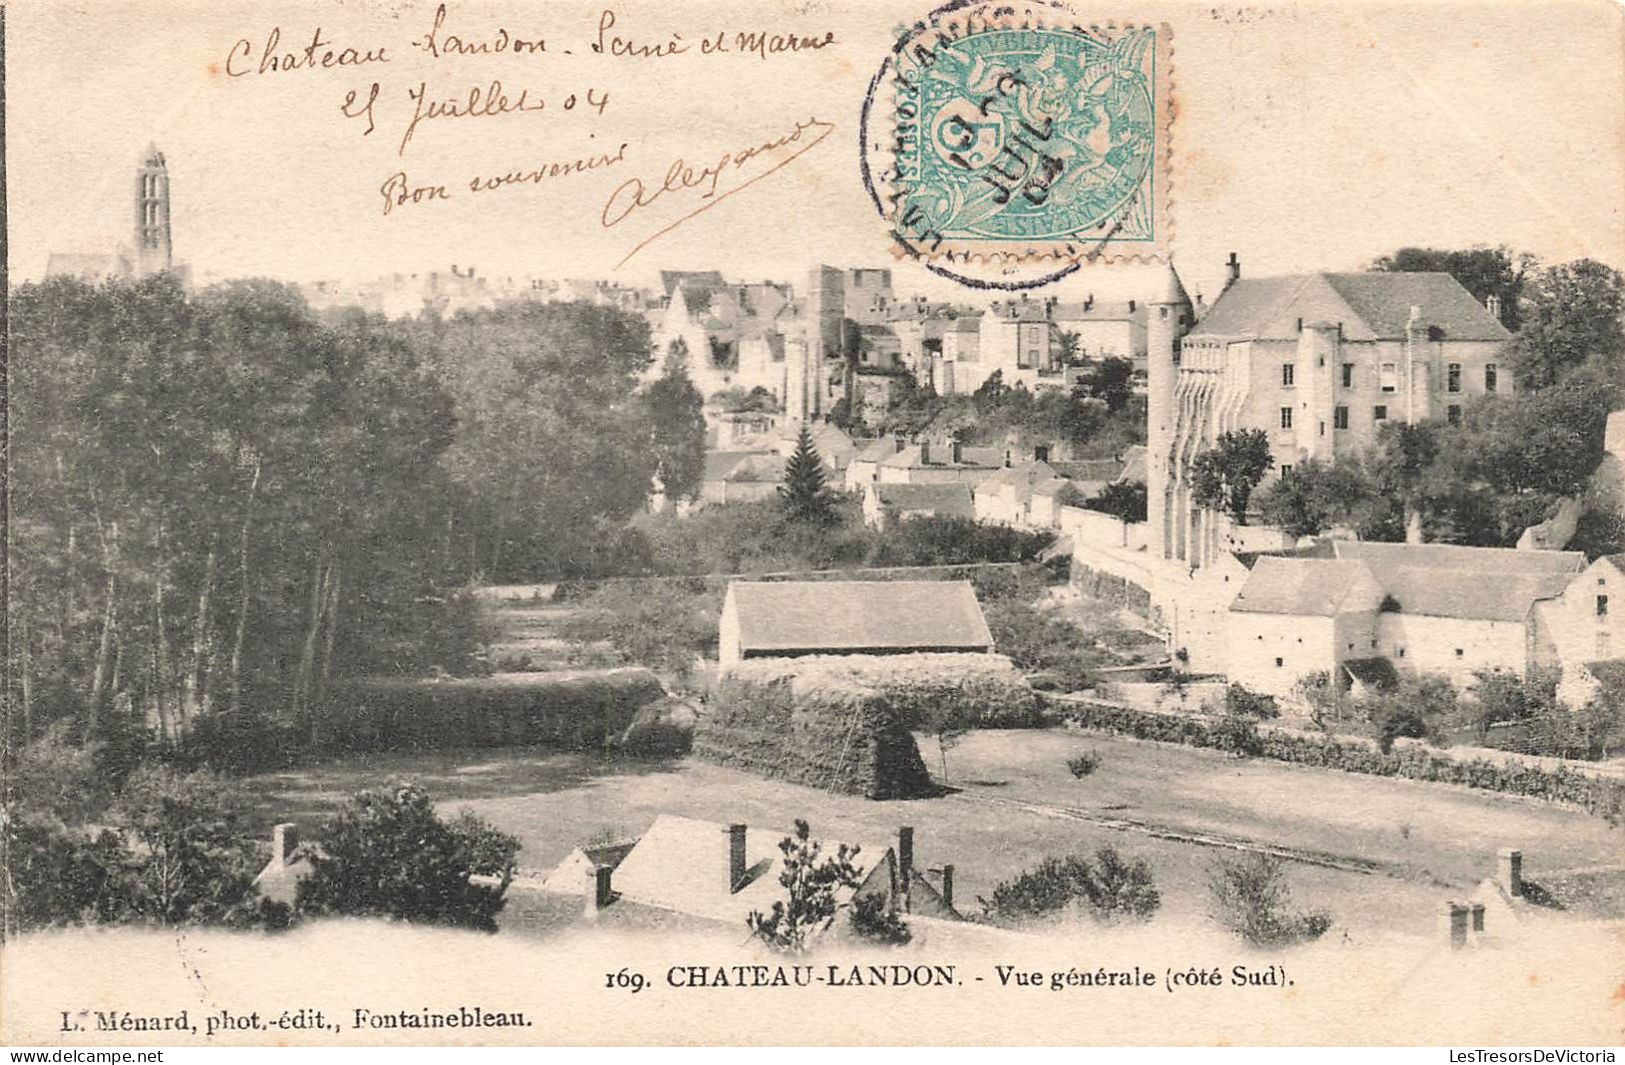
[{"x": 791, "y": 618}]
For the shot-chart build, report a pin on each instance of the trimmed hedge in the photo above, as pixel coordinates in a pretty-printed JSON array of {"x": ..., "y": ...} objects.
[
  {"x": 1594, "y": 794},
  {"x": 985, "y": 690},
  {"x": 836, "y": 733},
  {"x": 582, "y": 709}
]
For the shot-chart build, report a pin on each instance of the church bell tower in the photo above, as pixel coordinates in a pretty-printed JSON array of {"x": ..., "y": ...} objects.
[{"x": 153, "y": 251}]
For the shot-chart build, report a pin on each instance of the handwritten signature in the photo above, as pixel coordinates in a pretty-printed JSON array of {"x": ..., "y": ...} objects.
[{"x": 634, "y": 194}]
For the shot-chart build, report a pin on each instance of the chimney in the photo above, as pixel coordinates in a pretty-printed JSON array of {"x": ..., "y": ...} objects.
[
  {"x": 284, "y": 841},
  {"x": 1415, "y": 320},
  {"x": 1089, "y": 302},
  {"x": 956, "y": 452},
  {"x": 1131, "y": 306},
  {"x": 1453, "y": 924},
  {"x": 905, "y": 861},
  {"x": 1476, "y": 928},
  {"x": 1509, "y": 871},
  {"x": 1492, "y": 303},
  {"x": 900, "y": 441},
  {"x": 1232, "y": 269},
  {"x": 736, "y": 857},
  {"x": 948, "y": 886},
  {"x": 596, "y": 892}
]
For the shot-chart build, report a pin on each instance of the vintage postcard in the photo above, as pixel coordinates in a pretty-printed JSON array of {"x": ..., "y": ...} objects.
[{"x": 839, "y": 522}]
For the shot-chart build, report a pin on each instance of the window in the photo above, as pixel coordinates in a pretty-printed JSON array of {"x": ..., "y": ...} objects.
[
  {"x": 1401, "y": 652},
  {"x": 1279, "y": 663},
  {"x": 1286, "y": 417},
  {"x": 1348, "y": 375},
  {"x": 1602, "y": 606},
  {"x": 1340, "y": 418},
  {"x": 1453, "y": 377},
  {"x": 1379, "y": 413},
  {"x": 1286, "y": 468},
  {"x": 1452, "y": 414},
  {"x": 1390, "y": 377},
  {"x": 1322, "y": 428},
  {"x": 1287, "y": 371},
  {"x": 1491, "y": 377},
  {"x": 1460, "y": 652}
]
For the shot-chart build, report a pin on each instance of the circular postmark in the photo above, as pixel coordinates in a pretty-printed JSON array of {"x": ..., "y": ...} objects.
[{"x": 1004, "y": 145}]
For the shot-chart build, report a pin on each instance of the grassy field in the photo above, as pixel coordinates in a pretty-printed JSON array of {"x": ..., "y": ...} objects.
[{"x": 1379, "y": 854}]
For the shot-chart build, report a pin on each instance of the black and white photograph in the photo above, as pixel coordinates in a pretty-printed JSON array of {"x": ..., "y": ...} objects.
[{"x": 814, "y": 522}]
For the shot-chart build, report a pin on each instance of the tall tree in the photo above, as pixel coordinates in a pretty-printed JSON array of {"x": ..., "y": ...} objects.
[
  {"x": 804, "y": 493},
  {"x": 1224, "y": 476},
  {"x": 676, "y": 416},
  {"x": 1313, "y": 496},
  {"x": 1110, "y": 381},
  {"x": 1575, "y": 313},
  {"x": 1484, "y": 272}
]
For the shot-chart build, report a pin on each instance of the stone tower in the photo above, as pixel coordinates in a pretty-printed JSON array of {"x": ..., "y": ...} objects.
[
  {"x": 1169, "y": 317},
  {"x": 154, "y": 253}
]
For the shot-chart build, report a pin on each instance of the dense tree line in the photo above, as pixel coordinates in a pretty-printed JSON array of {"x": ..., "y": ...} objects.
[{"x": 220, "y": 502}]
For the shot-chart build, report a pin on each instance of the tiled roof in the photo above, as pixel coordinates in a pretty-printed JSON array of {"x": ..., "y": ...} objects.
[
  {"x": 719, "y": 463},
  {"x": 1090, "y": 469},
  {"x": 1370, "y": 306},
  {"x": 944, "y": 500},
  {"x": 756, "y": 469},
  {"x": 968, "y": 325},
  {"x": 1307, "y": 587},
  {"x": 801, "y": 616}
]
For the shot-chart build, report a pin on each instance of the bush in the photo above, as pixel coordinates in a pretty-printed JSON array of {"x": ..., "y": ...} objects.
[
  {"x": 388, "y": 854},
  {"x": 875, "y": 922},
  {"x": 1110, "y": 889},
  {"x": 169, "y": 851},
  {"x": 810, "y": 880},
  {"x": 1084, "y": 764},
  {"x": 1244, "y": 702},
  {"x": 1236, "y": 735},
  {"x": 1252, "y": 899}
]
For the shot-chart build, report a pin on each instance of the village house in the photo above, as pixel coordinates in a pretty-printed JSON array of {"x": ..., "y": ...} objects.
[
  {"x": 793, "y": 618},
  {"x": 864, "y": 469},
  {"x": 724, "y": 873},
  {"x": 833, "y": 445},
  {"x": 940, "y": 462},
  {"x": 740, "y": 476},
  {"x": 1424, "y": 608},
  {"x": 886, "y": 504},
  {"x": 1003, "y": 497},
  {"x": 1582, "y": 631}
]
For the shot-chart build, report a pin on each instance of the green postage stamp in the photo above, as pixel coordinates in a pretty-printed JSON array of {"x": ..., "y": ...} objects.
[{"x": 1022, "y": 134}]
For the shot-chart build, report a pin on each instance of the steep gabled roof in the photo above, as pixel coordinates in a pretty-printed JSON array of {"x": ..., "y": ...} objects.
[
  {"x": 803, "y": 616},
  {"x": 1307, "y": 587},
  {"x": 1480, "y": 583},
  {"x": 1370, "y": 306},
  {"x": 944, "y": 500}
]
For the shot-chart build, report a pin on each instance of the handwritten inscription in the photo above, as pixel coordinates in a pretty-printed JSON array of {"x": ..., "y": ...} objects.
[
  {"x": 453, "y": 45},
  {"x": 635, "y": 194},
  {"x": 317, "y": 55},
  {"x": 488, "y": 57},
  {"x": 399, "y": 191},
  {"x": 485, "y": 102}
]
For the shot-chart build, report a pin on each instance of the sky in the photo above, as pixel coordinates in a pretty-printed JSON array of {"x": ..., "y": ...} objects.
[{"x": 1306, "y": 137}]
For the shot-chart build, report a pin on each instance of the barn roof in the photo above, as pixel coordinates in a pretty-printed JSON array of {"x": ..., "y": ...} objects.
[
  {"x": 1479, "y": 583},
  {"x": 804, "y": 616},
  {"x": 1307, "y": 587}
]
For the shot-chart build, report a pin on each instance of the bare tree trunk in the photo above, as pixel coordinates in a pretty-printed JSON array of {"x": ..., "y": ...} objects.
[
  {"x": 65, "y": 620},
  {"x": 307, "y": 659},
  {"x": 242, "y": 607},
  {"x": 197, "y": 680},
  {"x": 27, "y": 668},
  {"x": 168, "y": 727},
  {"x": 99, "y": 675}
]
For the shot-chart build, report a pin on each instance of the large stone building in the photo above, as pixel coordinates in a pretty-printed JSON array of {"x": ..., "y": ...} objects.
[
  {"x": 153, "y": 250},
  {"x": 1317, "y": 361}
]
